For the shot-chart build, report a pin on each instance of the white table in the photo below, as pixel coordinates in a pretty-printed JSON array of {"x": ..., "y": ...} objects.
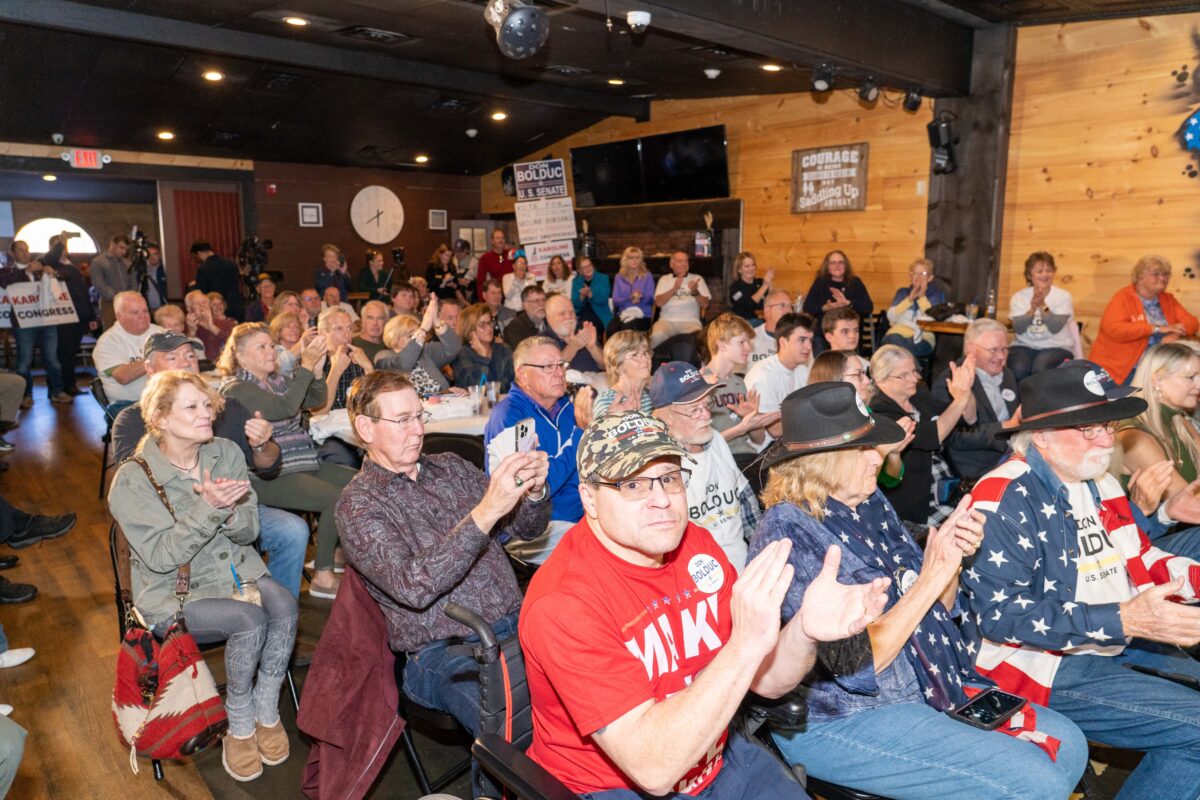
[{"x": 465, "y": 426}]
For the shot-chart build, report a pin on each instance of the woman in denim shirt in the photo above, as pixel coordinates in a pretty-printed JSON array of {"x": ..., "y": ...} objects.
[{"x": 875, "y": 703}]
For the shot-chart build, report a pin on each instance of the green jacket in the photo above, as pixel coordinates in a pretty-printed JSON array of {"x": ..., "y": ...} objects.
[{"x": 199, "y": 533}]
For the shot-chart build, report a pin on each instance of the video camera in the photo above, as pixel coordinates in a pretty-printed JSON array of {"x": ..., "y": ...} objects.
[
  {"x": 139, "y": 254},
  {"x": 253, "y": 254}
]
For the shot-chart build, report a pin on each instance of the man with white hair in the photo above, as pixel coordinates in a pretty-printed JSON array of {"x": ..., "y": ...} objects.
[
  {"x": 370, "y": 338},
  {"x": 580, "y": 348},
  {"x": 775, "y": 305},
  {"x": 118, "y": 352},
  {"x": 973, "y": 447},
  {"x": 1067, "y": 590}
]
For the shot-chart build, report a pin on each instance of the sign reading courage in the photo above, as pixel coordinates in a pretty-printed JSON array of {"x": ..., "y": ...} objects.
[{"x": 830, "y": 178}]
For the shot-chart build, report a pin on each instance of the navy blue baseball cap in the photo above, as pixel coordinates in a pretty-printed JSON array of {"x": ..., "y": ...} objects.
[{"x": 679, "y": 382}]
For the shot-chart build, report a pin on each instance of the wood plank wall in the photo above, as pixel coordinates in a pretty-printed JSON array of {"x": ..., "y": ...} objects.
[
  {"x": 1096, "y": 174},
  {"x": 762, "y": 132}
]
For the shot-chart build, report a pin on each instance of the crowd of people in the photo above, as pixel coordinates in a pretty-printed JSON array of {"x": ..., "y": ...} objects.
[{"x": 689, "y": 501}]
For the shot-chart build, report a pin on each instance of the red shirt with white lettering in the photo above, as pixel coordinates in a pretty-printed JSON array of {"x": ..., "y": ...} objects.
[{"x": 601, "y": 636}]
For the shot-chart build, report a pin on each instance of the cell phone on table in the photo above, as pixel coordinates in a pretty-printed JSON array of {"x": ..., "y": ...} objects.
[
  {"x": 520, "y": 438},
  {"x": 989, "y": 709}
]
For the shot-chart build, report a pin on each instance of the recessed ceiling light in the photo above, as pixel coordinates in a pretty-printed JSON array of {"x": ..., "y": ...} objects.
[
  {"x": 421, "y": 159},
  {"x": 214, "y": 76},
  {"x": 166, "y": 136},
  {"x": 50, "y": 178},
  {"x": 298, "y": 22},
  {"x": 771, "y": 68},
  {"x": 499, "y": 116},
  {"x": 616, "y": 81}
]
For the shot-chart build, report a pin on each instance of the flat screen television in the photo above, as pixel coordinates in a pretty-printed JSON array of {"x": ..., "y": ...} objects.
[
  {"x": 607, "y": 174},
  {"x": 687, "y": 165}
]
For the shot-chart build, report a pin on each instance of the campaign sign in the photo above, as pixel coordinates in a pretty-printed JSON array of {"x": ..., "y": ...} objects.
[
  {"x": 546, "y": 220},
  {"x": 36, "y": 305},
  {"x": 539, "y": 255},
  {"x": 537, "y": 180}
]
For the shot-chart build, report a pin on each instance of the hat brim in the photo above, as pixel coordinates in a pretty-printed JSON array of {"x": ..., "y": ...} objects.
[
  {"x": 634, "y": 460},
  {"x": 1112, "y": 411},
  {"x": 699, "y": 394},
  {"x": 886, "y": 431}
]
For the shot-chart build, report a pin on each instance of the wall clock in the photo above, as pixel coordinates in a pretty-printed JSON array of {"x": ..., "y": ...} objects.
[{"x": 377, "y": 214}]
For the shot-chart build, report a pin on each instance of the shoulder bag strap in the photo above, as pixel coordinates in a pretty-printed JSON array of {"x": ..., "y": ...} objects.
[{"x": 183, "y": 579}]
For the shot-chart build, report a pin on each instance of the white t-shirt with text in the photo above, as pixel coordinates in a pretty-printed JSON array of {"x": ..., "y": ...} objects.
[{"x": 114, "y": 348}]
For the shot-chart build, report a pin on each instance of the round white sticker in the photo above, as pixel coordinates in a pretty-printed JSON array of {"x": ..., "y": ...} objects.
[
  {"x": 861, "y": 405},
  {"x": 1008, "y": 394},
  {"x": 707, "y": 572},
  {"x": 1091, "y": 382},
  {"x": 906, "y": 579}
]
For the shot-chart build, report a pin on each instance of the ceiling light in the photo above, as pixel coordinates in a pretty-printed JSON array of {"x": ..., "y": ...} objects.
[
  {"x": 868, "y": 92},
  {"x": 616, "y": 81},
  {"x": 521, "y": 29},
  {"x": 50, "y": 178},
  {"x": 166, "y": 136},
  {"x": 214, "y": 76},
  {"x": 771, "y": 68},
  {"x": 421, "y": 159},
  {"x": 297, "y": 22},
  {"x": 499, "y": 116},
  {"x": 822, "y": 79},
  {"x": 912, "y": 100}
]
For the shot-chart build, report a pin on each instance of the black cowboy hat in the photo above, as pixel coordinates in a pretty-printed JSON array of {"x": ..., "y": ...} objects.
[
  {"x": 1076, "y": 394},
  {"x": 827, "y": 416}
]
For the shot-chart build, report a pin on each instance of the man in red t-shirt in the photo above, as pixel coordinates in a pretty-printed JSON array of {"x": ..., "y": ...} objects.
[
  {"x": 641, "y": 640},
  {"x": 495, "y": 263}
]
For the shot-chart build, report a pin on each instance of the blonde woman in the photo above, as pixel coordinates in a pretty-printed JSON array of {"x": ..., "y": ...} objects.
[
  {"x": 410, "y": 350},
  {"x": 184, "y": 499},
  {"x": 633, "y": 288},
  {"x": 909, "y": 302},
  {"x": 627, "y": 362},
  {"x": 288, "y": 333},
  {"x": 305, "y": 483},
  {"x": 876, "y": 721}
]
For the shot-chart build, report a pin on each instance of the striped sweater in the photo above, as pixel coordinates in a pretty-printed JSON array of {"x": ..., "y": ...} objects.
[{"x": 1056, "y": 563}]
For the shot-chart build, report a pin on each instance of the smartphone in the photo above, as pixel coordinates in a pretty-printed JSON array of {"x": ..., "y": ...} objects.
[
  {"x": 520, "y": 438},
  {"x": 526, "y": 435},
  {"x": 989, "y": 709}
]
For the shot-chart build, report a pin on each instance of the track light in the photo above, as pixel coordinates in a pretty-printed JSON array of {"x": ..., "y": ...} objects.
[
  {"x": 868, "y": 91},
  {"x": 822, "y": 79},
  {"x": 521, "y": 30},
  {"x": 912, "y": 100}
]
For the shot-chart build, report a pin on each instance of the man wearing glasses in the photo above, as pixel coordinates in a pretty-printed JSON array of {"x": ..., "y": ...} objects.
[
  {"x": 423, "y": 531},
  {"x": 1067, "y": 590},
  {"x": 719, "y": 497},
  {"x": 973, "y": 447},
  {"x": 641, "y": 641},
  {"x": 539, "y": 393}
]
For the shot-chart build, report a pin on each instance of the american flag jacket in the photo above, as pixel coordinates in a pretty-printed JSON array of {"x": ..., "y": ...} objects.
[{"x": 1023, "y": 588}]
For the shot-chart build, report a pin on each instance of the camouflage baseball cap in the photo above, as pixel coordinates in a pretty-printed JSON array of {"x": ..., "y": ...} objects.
[{"x": 616, "y": 446}]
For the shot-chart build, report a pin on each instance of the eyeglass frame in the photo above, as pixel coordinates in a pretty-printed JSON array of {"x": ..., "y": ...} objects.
[
  {"x": 686, "y": 476},
  {"x": 1095, "y": 428},
  {"x": 551, "y": 367},
  {"x": 408, "y": 419}
]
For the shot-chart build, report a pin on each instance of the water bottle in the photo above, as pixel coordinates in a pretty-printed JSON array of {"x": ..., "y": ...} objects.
[
  {"x": 991, "y": 304},
  {"x": 798, "y": 304}
]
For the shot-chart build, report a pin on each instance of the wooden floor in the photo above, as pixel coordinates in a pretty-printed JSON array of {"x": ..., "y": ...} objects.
[{"x": 62, "y": 697}]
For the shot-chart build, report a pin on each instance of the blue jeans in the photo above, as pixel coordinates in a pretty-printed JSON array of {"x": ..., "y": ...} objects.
[
  {"x": 910, "y": 751},
  {"x": 284, "y": 538},
  {"x": 450, "y": 683},
  {"x": 47, "y": 339},
  {"x": 1122, "y": 708},
  {"x": 3, "y": 641},
  {"x": 747, "y": 771}
]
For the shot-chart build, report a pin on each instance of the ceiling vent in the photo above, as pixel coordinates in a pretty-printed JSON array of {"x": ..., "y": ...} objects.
[
  {"x": 281, "y": 84},
  {"x": 453, "y": 107},
  {"x": 224, "y": 139},
  {"x": 375, "y": 35},
  {"x": 710, "y": 53}
]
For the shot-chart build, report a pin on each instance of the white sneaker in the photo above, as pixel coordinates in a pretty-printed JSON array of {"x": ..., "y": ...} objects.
[
  {"x": 11, "y": 658},
  {"x": 6, "y": 709}
]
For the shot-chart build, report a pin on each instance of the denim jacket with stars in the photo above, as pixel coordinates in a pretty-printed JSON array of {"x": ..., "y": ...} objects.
[
  {"x": 1021, "y": 589},
  {"x": 843, "y": 681}
]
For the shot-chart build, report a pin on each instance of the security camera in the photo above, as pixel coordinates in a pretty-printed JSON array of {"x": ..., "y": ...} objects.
[
  {"x": 712, "y": 73},
  {"x": 638, "y": 21},
  {"x": 57, "y": 138}
]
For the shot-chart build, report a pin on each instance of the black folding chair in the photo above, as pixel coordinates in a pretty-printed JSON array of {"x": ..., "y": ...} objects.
[
  {"x": 470, "y": 448},
  {"x": 102, "y": 398}
]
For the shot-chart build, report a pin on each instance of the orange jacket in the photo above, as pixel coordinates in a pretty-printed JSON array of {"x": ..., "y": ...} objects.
[{"x": 1124, "y": 330}]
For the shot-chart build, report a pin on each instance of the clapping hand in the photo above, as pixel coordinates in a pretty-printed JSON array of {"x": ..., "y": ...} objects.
[
  {"x": 694, "y": 285},
  {"x": 962, "y": 379},
  {"x": 221, "y": 492},
  {"x": 769, "y": 278},
  {"x": 584, "y": 400},
  {"x": 833, "y": 610},
  {"x": 1147, "y": 485},
  {"x": 258, "y": 430},
  {"x": 910, "y": 430},
  {"x": 758, "y": 595},
  {"x": 839, "y": 297}
]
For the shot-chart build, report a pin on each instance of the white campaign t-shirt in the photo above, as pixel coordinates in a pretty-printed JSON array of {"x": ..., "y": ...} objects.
[
  {"x": 773, "y": 382},
  {"x": 682, "y": 307},
  {"x": 114, "y": 348},
  {"x": 765, "y": 345},
  {"x": 712, "y": 497},
  {"x": 1040, "y": 338}
]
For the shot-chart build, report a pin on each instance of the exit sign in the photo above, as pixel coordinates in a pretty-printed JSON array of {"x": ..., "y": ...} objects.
[{"x": 81, "y": 158}]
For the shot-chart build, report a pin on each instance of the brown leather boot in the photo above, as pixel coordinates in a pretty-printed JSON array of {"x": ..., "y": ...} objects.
[
  {"x": 273, "y": 747},
  {"x": 240, "y": 757}
]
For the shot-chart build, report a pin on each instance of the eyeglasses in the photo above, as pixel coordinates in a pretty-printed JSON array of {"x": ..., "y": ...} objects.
[
  {"x": 484, "y": 323},
  {"x": 911, "y": 375},
  {"x": 639, "y": 488},
  {"x": 1159, "y": 274},
  {"x": 555, "y": 366},
  {"x": 1091, "y": 432},
  {"x": 639, "y": 354},
  {"x": 696, "y": 410},
  {"x": 991, "y": 351},
  {"x": 854, "y": 376},
  {"x": 407, "y": 419}
]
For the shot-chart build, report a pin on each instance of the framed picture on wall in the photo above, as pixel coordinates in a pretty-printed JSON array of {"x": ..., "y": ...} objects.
[
  {"x": 311, "y": 215},
  {"x": 437, "y": 219}
]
